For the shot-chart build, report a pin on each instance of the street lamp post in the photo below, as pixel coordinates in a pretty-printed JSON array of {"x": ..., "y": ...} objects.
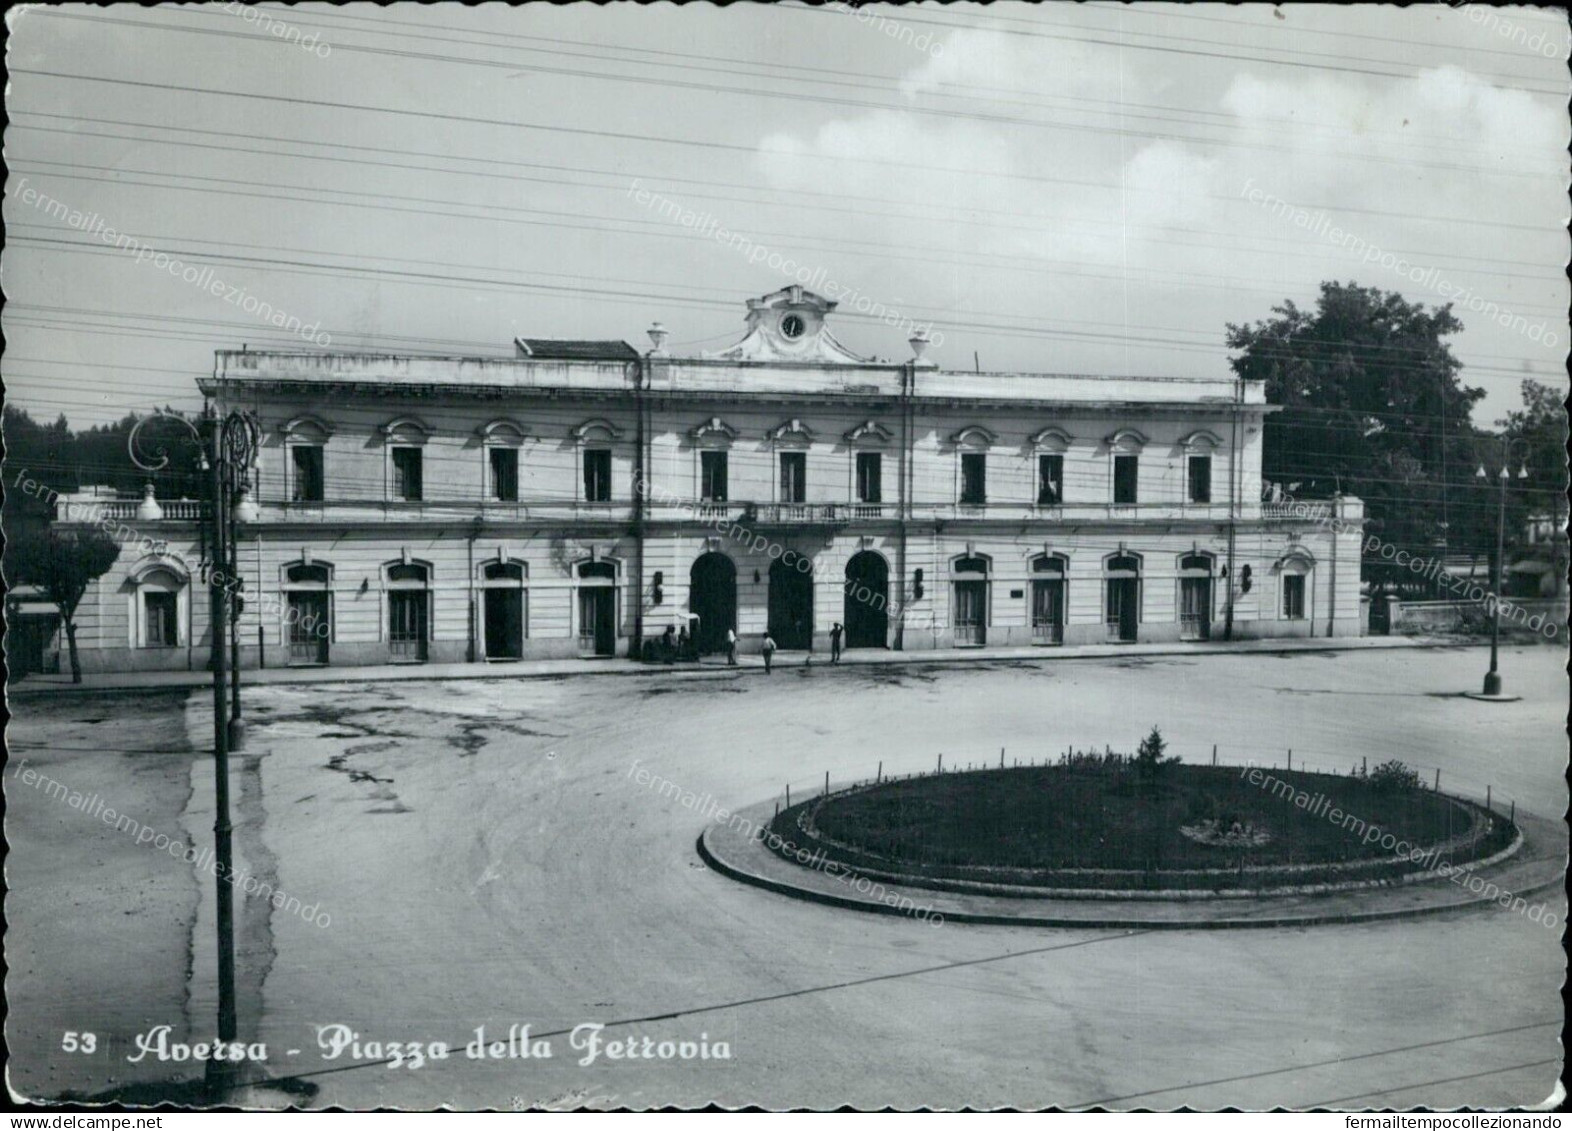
[
  {"x": 227, "y": 447},
  {"x": 1493, "y": 676}
]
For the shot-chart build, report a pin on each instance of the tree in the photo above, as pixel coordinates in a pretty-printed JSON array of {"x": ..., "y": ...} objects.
[
  {"x": 63, "y": 564},
  {"x": 1541, "y": 425},
  {"x": 1149, "y": 759},
  {"x": 1373, "y": 406}
]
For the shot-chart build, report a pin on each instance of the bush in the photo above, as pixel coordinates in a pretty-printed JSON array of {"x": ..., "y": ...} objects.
[{"x": 1393, "y": 777}]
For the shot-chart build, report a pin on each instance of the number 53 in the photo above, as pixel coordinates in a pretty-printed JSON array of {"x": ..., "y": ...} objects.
[{"x": 79, "y": 1042}]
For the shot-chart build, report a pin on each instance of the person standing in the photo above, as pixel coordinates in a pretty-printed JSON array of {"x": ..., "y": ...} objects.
[
  {"x": 835, "y": 642},
  {"x": 731, "y": 647},
  {"x": 769, "y": 652}
]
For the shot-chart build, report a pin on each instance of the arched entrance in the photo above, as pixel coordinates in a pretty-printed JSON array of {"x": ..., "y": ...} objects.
[
  {"x": 1048, "y": 599},
  {"x": 597, "y": 584},
  {"x": 712, "y": 595},
  {"x": 1122, "y": 597},
  {"x": 409, "y": 611},
  {"x": 867, "y": 601},
  {"x": 791, "y": 604},
  {"x": 969, "y": 602},
  {"x": 1195, "y": 597},
  {"x": 505, "y": 609},
  {"x": 308, "y": 612}
]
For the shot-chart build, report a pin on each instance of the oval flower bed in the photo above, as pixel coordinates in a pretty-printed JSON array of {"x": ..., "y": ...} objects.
[{"x": 1107, "y": 824}]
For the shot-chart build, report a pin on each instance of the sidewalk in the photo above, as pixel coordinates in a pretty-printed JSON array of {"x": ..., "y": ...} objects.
[{"x": 711, "y": 666}]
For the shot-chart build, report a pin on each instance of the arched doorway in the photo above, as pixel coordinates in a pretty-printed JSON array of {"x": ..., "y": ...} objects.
[
  {"x": 969, "y": 601},
  {"x": 712, "y": 596},
  {"x": 597, "y": 584},
  {"x": 1195, "y": 597},
  {"x": 867, "y": 601},
  {"x": 409, "y": 611},
  {"x": 505, "y": 610},
  {"x": 791, "y": 604},
  {"x": 308, "y": 612},
  {"x": 1048, "y": 599},
  {"x": 1122, "y": 597}
]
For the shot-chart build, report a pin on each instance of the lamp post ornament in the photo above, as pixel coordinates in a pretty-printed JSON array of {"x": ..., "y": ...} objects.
[{"x": 227, "y": 449}]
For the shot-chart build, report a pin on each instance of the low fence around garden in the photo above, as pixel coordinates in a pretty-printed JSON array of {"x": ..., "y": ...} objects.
[
  {"x": 1309, "y": 760},
  {"x": 1436, "y": 827}
]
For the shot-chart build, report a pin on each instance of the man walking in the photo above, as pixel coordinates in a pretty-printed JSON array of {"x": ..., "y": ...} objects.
[
  {"x": 835, "y": 643},
  {"x": 731, "y": 647},
  {"x": 769, "y": 652}
]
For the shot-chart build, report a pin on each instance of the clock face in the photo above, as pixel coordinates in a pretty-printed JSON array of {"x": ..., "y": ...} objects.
[{"x": 792, "y": 327}]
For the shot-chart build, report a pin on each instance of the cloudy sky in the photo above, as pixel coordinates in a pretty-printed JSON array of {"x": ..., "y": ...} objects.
[{"x": 1059, "y": 188}]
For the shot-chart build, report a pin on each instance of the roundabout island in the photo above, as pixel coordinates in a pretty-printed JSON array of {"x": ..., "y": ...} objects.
[{"x": 1101, "y": 839}]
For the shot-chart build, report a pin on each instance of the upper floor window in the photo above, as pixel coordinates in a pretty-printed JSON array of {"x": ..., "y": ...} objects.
[
  {"x": 870, "y": 475},
  {"x": 305, "y": 468},
  {"x": 305, "y": 442},
  {"x": 407, "y": 474},
  {"x": 505, "y": 474},
  {"x": 1199, "y": 447},
  {"x": 712, "y": 477},
  {"x": 1050, "y": 480},
  {"x": 501, "y": 439},
  {"x": 1200, "y": 479},
  {"x": 597, "y": 475},
  {"x": 974, "y": 478},
  {"x": 594, "y": 438},
  {"x": 406, "y": 437},
  {"x": 1126, "y": 476},
  {"x": 794, "y": 477}
]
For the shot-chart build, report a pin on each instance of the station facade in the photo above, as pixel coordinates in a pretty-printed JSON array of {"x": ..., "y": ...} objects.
[{"x": 579, "y": 497}]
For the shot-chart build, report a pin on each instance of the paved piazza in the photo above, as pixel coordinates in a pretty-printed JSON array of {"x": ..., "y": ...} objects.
[{"x": 484, "y": 856}]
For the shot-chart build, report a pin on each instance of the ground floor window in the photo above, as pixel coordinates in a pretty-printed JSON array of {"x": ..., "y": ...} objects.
[
  {"x": 159, "y": 609},
  {"x": 163, "y": 624},
  {"x": 1294, "y": 596}
]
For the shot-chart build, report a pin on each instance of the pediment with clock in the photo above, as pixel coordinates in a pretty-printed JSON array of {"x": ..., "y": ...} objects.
[{"x": 789, "y": 325}]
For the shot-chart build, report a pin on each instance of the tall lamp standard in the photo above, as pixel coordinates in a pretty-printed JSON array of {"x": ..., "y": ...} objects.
[
  {"x": 227, "y": 447},
  {"x": 1493, "y": 676}
]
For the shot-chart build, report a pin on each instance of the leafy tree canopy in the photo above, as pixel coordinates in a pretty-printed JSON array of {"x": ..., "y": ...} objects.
[{"x": 1374, "y": 407}]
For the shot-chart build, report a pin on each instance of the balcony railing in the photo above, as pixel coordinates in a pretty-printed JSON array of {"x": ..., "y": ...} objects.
[
  {"x": 124, "y": 510},
  {"x": 805, "y": 513},
  {"x": 1313, "y": 511}
]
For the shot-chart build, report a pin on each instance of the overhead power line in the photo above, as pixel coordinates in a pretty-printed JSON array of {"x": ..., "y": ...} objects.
[
  {"x": 1010, "y": 224},
  {"x": 1103, "y": 130}
]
